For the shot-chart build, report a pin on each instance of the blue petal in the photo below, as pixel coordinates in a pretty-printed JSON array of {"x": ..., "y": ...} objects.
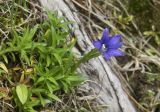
[
  {"x": 116, "y": 46},
  {"x": 105, "y": 36},
  {"x": 106, "y": 56},
  {"x": 97, "y": 44},
  {"x": 115, "y": 53},
  {"x": 113, "y": 41}
]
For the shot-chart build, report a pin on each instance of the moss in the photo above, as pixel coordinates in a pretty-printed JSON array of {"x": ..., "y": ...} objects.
[
  {"x": 138, "y": 6},
  {"x": 143, "y": 13}
]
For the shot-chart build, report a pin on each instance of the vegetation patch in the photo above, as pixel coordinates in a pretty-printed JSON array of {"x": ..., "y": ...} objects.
[{"x": 37, "y": 65}]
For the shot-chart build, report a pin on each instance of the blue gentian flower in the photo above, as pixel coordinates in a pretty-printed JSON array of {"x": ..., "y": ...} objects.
[{"x": 109, "y": 45}]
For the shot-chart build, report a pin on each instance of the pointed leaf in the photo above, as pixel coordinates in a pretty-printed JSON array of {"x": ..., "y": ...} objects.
[
  {"x": 2, "y": 65},
  {"x": 54, "y": 97},
  {"x": 5, "y": 58},
  {"x": 51, "y": 79}
]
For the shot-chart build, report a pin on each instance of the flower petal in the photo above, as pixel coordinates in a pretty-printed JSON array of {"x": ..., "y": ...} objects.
[
  {"x": 97, "y": 44},
  {"x": 116, "y": 46},
  {"x": 113, "y": 41},
  {"x": 105, "y": 36},
  {"x": 115, "y": 53},
  {"x": 106, "y": 56}
]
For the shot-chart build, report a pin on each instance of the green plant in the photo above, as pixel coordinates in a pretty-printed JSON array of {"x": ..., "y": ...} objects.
[
  {"x": 153, "y": 34},
  {"x": 44, "y": 63}
]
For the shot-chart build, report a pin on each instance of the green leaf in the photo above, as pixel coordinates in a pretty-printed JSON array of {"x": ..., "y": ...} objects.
[
  {"x": 49, "y": 87},
  {"x": 13, "y": 56},
  {"x": 47, "y": 33},
  {"x": 51, "y": 79},
  {"x": 3, "y": 67},
  {"x": 22, "y": 93},
  {"x": 48, "y": 59},
  {"x": 65, "y": 86},
  {"x": 33, "y": 31},
  {"x": 5, "y": 58},
  {"x": 42, "y": 100},
  {"x": 54, "y": 37},
  {"x": 28, "y": 34},
  {"x": 33, "y": 102},
  {"x": 58, "y": 58},
  {"x": 58, "y": 77},
  {"x": 38, "y": 90},
  {"x": 24, "y": 56},
  {"x": 39, "y": 80},
  {"x": 92, "y": 54},
  {"x": 54, "y": 97},
  {"x": 28, "y": 107},
  {"x": 75, "y": 78}
]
